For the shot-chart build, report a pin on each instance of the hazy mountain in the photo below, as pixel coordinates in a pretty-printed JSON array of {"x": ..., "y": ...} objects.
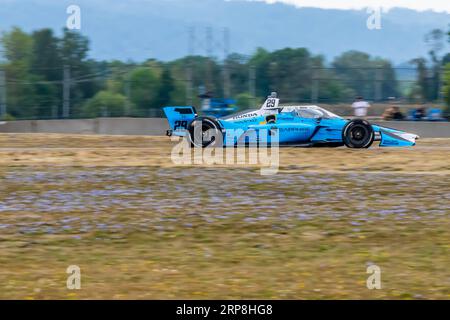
[{"x": 139, "y": 29}]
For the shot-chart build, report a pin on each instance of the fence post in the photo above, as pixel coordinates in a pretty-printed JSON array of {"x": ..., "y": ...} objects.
[
  {"x": 66, "y": 91},
  {"x": 315, "y": 85},
  {"x": 3, "y": 108},
  {"x": 440, "y": 80},
  {"x": 251, "y": 84},
  {"x": 378, "y": 84},
  {"x": 127, "y": 94},
  {"x": 54, "y": 111}
]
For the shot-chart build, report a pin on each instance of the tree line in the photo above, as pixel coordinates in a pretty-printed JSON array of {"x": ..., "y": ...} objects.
[{"x": 44, "y": 73}]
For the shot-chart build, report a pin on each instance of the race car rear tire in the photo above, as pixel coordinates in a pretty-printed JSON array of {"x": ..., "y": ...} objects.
[
  {"x": 208, "y": 135},
  {"x": 358, "y": 134}
]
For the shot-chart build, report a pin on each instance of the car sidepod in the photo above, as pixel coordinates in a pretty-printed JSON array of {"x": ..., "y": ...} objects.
[{"x": 329, "y": 131}]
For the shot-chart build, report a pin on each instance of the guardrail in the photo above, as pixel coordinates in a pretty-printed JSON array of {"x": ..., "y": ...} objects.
[
  {"x": 158, "y": 126},
  {"x": 109, "y": 126}
]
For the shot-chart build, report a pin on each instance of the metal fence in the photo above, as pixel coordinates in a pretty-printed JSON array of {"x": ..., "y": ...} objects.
[{"x": 314, "y": 88}]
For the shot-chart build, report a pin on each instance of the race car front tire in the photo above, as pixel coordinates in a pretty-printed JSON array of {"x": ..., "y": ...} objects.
[{"x": 358, "y": 134}]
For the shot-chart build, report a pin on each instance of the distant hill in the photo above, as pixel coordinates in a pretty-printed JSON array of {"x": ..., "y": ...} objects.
[{"x": 139, "y": 29}]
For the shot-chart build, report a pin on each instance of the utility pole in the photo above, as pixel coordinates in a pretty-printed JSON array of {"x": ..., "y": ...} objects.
[
  {"x": 209, "y": 54},
  {"x": 54, "y": 111},
  {"x": 315, "y": 85},
  {"x": 191, "y": 41},
  {"x": 127, "y": 94},
  {"x": 66, "y": 91},
  {"x": 440, "y": 93},
  {"x": 2, "y": 94},
  {"x": 191, "y": 48},
  {"x": 251, "y": 84},
  {"x": 226, "y": 71},
  {"x": 189, "y": 99}
]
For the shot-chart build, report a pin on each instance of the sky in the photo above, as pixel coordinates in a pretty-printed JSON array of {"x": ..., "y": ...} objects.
[{"x": 420, "y": 5}]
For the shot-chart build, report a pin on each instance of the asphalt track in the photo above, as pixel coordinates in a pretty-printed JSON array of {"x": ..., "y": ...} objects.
[{"x": 158, "y": 126}]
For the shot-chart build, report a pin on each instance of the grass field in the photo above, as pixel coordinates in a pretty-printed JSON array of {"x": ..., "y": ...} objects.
[{"x": 140, "y": 227}]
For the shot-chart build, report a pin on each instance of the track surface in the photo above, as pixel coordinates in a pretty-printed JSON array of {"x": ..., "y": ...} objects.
[{"x": 140, "y": 226}]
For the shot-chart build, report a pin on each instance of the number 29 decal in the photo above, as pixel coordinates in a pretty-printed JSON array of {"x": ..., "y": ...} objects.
[
  {"x": 180, "y": 124},
  {"x": 271, "y": 103}
]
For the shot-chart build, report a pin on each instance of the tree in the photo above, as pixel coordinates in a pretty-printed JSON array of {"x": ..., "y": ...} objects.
[
  {"x": 17, "y": 45},
  {"x": 423, "y": 85},
  {"x": 244, "y": 101},
  {"x": 238, "y": 70},
  {"x": 178, "y": 95},
  {"x": 290, "y": 73},
  {"x": 46, "y": 68},
  {"x": 45, "y": 55},
  {"x": 35, "y": 65},
  {"x": 352, "y": 69},
  {"x": 20, "y": 99},
  {"x": 446, "y": 89},
  {"x": 435, "y": 40},
  {"x": 105, "y": 104},
  {"x": 144, "y": 89},
  {"x": 206, "y": 73},
  {"x": 446, "y": 59},
  {"x": 166, "y": 88},
  {"x": 260, "y": 61},
  {"x": 74, "y": 49},
  {"x": 358, "y": 71}
]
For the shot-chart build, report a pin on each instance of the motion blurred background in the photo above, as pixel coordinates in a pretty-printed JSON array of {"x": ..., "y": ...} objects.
[{"x": 132, "y": 59}]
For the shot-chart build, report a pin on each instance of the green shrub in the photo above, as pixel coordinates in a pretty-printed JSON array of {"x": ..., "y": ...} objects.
[
  {"x": 446, "y": 89},
  {"x": 105, "y": 104},
  {"x": 8, "y": 117}
]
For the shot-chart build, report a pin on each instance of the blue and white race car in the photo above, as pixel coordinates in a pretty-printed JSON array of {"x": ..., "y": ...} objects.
[{"x": 303, "y": 126}]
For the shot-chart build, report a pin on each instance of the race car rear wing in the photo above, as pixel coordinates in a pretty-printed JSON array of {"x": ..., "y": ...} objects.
[{"x": 179, "y": 119}]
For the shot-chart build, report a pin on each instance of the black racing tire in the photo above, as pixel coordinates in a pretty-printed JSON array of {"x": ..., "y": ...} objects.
[
  {"x": 202, "y": 139},
  {"x": 358, "y": 134}
]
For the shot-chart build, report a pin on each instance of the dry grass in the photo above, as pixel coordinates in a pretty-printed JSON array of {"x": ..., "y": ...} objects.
[
  {"x": 431, "y": 155},
  {"x": 141, "y": 227}
]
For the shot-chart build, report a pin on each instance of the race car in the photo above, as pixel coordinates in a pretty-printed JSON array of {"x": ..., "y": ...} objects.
[{"x": 304, "y": 126}]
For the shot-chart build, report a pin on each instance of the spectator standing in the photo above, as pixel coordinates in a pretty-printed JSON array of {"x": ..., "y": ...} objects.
[{"x": 360, "y": 106}]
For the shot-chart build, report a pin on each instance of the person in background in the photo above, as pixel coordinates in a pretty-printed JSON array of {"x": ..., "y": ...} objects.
[
  {"x": 206, "y": 100},
  {"x": 398, "y": 115},
  {"x": 393, "y": 113},
  {"x": 360, "y": 106},
  {"x": 419, "y": 113}
]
